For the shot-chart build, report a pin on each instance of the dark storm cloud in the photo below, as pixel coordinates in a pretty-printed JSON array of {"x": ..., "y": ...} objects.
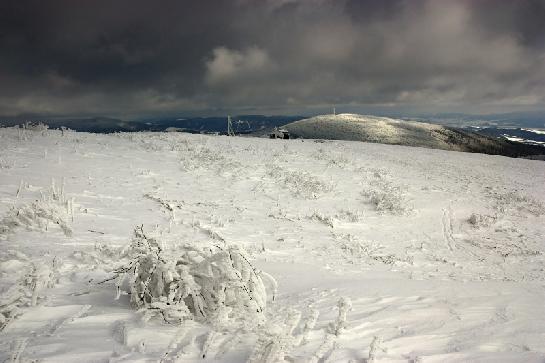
[{"x": 131, "y": 57}]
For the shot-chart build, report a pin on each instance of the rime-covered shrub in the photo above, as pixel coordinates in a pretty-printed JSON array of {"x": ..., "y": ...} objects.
[
  {"x": 334, "y": 330},
  {"x": 332, "y": 159},
  {"x": 515, "y": 202},
  {"x": 41, "y": 276},
  {"x": 213, "y": 284},
  {"x": 27, "y": 288},
  {"x": 276, "y": 339},
  {"x": 37, "y": 215},
  {"x": 374, "y": 347},
  {"x": 40, "y": 126},
  {"x": 200, "y": 157},
  {"x": 348, "y": 215},
  {"x": 481, "y": 220},
  {"x": 322, "y": 218},
  {"x": 388, "y": 198},
  {"x": 344, "y": 305},
  {"x": 355, "y": 250},
  {"x": 51, "y": 209},
  {"x": 300, "y": 183}
]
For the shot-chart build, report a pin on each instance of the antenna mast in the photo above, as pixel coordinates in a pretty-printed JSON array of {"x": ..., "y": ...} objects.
[{"x": 230, "y": 131}]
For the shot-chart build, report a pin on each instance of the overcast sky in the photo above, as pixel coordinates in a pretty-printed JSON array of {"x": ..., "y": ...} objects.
[{"x": 127, "y": 57}]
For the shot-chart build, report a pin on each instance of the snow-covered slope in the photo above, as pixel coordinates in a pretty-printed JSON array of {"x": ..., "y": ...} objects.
[
  {"x": 399, "y": 132},
  {"x": 438, "y": 254}
]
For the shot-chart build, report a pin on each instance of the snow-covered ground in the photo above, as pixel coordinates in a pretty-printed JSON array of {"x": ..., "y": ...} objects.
[{"x": 438, "y": 254}]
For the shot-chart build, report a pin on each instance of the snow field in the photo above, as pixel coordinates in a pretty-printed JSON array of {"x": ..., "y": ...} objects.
[{"x": 380, "y": 253}]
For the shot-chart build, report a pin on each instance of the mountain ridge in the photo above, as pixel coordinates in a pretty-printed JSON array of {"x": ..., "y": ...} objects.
[{"x": 386, "y": 130}]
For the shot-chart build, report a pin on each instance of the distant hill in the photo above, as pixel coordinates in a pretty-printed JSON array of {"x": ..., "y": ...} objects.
[
  {"x": 86, "y": 124},
  {"x": 242, "y": 124},
  {"x": 410, "y": 133}
]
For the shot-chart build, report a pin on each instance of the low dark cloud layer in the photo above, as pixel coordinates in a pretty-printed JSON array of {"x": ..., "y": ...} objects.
[{"x": 132, "y": 57}]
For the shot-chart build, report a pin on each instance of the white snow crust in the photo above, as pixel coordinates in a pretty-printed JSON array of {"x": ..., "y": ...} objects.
[{"x": 381, "y": 253}]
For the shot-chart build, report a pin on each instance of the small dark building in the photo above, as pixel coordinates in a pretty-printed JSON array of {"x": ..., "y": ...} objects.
[{"x": 279, "y": 134}]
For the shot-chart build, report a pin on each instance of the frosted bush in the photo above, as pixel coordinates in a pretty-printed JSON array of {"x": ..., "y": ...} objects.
[
  {"x": 276, "y": 340},
  {"x": 388, "y": 199},
  {"x": 320, "y": 154},
  {"x": 334, "y": 330},
  {"x": 516, "y": 202},
  {"x": 38, "y": 215},
  {"x": 41, "y": 276},
  {"x": 332, "y": 159},
  {"x": 40, "y": 126},
  {"x": 213, "y": 284},
  {"x": 197, "y": 156},
  {"x": 344, "y": 305},
  {"x": 200, "y": 157},
  {"x": 354, "y": 251},
  {"x": 375, "y": 346},
  {"x": 309, "y": 325},
  {"x": 27, "y": 289},
  {"x": 300, "y": 183},
  {"x": 322, "y": 218},
  {"x": 352, "y": 216},
  {"x": 480, "y": 220}
]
